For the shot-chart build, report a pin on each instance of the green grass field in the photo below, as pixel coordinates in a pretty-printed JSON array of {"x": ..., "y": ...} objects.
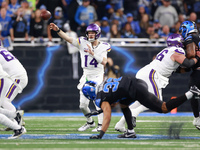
[{"x": 147, "y": 126}]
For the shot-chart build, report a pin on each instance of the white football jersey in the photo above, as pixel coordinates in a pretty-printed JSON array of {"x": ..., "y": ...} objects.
[
  {"x": 10, "y": 64},
  {"x": 163, "y": 63},
  {"x": 88, "y": 63}
]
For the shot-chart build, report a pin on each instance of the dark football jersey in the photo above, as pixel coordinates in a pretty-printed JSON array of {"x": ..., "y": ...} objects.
[
  {"x": 190, "y": 39},
  {"x": 116, "y": 90}
]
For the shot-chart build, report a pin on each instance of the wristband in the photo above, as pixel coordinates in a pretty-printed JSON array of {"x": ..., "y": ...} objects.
[
  {"x": 98, "y": 58},
  {"x": 58, "y": 31},
  {"x": 101, "y": 134}
]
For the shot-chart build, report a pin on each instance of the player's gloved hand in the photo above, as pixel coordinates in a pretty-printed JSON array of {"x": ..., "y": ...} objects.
[
  {"x": 95, "y": 137},
  {"x": 98, "y": 136}
]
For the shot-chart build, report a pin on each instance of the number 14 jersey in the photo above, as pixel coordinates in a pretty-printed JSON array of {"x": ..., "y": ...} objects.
[{"x": 88, "y": 63}]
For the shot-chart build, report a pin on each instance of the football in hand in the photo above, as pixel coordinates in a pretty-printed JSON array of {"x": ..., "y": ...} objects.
[{"x": 45, "y": 15}]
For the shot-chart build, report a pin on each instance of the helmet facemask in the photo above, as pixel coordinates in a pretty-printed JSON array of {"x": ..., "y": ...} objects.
[{"x": 94, "y": 28}]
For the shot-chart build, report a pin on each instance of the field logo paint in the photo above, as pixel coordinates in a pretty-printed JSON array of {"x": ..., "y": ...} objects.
[{"x": 129, "y": 60}]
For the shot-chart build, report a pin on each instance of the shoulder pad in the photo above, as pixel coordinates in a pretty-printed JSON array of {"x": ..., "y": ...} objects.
[
  {"x": 188, "y": 38},
  {"x": 195, "y": 38},
  {"x": 108, "y": 47},
  {"x": 180, "y": 51}
]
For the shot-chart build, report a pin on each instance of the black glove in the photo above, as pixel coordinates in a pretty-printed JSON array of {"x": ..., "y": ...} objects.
[
  {"x": 88, "y": 115},
  {"x": 95, "y": 137},
  {"x": 98, "y": 136},
  {"x": 93, "y": 113}
]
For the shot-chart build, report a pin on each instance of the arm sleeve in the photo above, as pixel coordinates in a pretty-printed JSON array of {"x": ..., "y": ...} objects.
[{"x": 188, "y": 62}]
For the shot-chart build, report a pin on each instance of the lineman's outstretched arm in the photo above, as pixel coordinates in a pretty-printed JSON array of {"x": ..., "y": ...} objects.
[{"x": 106, "y": 120}]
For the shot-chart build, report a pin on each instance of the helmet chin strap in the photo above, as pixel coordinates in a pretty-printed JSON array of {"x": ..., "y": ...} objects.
[{"x": 91, "y": 40}]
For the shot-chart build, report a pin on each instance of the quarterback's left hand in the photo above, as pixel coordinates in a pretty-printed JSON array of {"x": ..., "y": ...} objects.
[{"x": 95, "y": 137}]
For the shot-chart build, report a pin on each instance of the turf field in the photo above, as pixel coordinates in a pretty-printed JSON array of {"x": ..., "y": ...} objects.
[{"x": 153, "y": 132}]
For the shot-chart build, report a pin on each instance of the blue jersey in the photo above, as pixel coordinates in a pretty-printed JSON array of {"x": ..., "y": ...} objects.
[
  {"x": 13, "y": 8},
  {"x": 85, "y": 15},
  {"x": 6, "y": 26}
]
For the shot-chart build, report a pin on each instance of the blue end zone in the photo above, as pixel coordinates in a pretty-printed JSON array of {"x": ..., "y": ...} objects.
[
  {"x": 86, "y": 136},
  {"x": 113, "y": 114}
]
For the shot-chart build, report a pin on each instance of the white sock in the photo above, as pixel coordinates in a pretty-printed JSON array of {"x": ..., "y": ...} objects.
[
  {"x": 8, "y": 123},
  {"x": 189, "y": 95},
  {"x": 8, "y": 113},
  {"x": 100, "y": 116},
  {"x": 131, "y": 131}
]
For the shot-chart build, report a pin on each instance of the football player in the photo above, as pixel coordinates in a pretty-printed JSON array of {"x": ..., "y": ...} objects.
[
  {"x": 13, "y": 79},
  {"x": 157, "y": 73},
  {"x": 126, "y": 90},
  {"x": 188, "y": 30},
  {"x": 93, "y": 58}
]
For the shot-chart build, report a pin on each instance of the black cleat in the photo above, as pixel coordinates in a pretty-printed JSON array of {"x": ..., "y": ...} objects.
[
  {"x": 18, "y": 133},
  {"x": 195, "y": 91},
  {"x": 127, "y": 135},
  {"x": 19, "y": 117},
  {"x": 134, "y": 122}
]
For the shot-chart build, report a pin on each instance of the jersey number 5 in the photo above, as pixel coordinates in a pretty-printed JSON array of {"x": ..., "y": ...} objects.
[
  {"x": 92, "y": 62},
  {"x": 112, "y": 83}
]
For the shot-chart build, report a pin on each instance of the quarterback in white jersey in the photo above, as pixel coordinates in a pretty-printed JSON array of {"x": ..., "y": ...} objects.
[
  {"x": 157, "y": 73},
  {"x": 13, "y": 79},
  {"x": 93, "y": 58}
]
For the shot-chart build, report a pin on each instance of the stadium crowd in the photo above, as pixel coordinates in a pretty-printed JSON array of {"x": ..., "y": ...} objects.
[{"x": 117, "y": 18}]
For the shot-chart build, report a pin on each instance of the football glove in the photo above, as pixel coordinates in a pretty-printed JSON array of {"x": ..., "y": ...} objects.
[
  {"x": 93, "y": 113},
  {"x": 95, "y": 137}
]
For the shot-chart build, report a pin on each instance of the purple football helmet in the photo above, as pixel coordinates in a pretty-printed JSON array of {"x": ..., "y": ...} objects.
[
  {"x": 175, "y": 40},
  {"x": 93, "y": 27}
]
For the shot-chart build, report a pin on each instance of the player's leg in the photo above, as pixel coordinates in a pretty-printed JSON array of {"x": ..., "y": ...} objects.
[
  {"x": 12, "y": 87},
  {"x": 98, "y": 79},
  {"x": 7, "y": 108},
  {"x": 136, "y": 109},
  {"x": 100, "y": 120},
  {"x": 18, "y": 130},
  {"x": 194, "y": 80},
  {"x": 152, "y": 102},
  {"x": 130, "y": 133},
  {"x": 84, "y": 103}
]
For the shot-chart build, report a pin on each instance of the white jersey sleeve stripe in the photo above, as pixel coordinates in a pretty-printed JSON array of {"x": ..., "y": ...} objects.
[
  {"x": 108, "y": 50},
  {"x": 177, "y": 51}
]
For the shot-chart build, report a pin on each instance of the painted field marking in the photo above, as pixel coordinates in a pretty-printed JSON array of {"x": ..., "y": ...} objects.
[{"x": 86, "y": 136}]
